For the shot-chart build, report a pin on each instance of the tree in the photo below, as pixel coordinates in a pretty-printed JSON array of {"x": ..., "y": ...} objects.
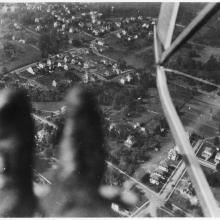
[
  {"x": 49, "y": 43},
  {"x": 218, "y": 167},
  {"x": 9, "y": 50},
  {"x": 122, "y": 64},
  {"x": 4, "y": 70},
  {"x": 77, "y": 43},
  {"x": 211, "y": 64},
  {"x": 216, "y": 141}
]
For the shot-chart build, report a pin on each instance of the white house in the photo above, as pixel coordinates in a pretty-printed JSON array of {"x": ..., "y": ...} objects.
[
  {"x": 154, "y": 179},
  {"x": 30, "y": 70},
  {"x": 112, "y": 126},
  {"x": 41, "y": 65},
  {"x": 173, "y": 155},
  {"x": 130, "y": 141},
  {"x": 86, "y": 65},
  {"x": 118, "y": 35},
  {"x": 65, "y": 67},
  {"x": 55, "y": 24},
  {"x": 164, "y": 166},
  {"x": 160, "y": 174},
  {"x": 54, "y": 83},
  {"x": 208, "y": 152},
  {"x": 36, "y": 20},
  {"x": 71, "y": 30},
  {"x": 21, "y": 41},
  {"x": 49, "y": 62},
  {"x": 122, "y": 81},
  {"x": 217, "y": 157},
  {"x": 100, "y": 43},
  {"x": 128, "y": 78}
]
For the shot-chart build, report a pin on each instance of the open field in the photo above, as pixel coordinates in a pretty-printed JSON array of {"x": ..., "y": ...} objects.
[{"x": 25, "y": 54}]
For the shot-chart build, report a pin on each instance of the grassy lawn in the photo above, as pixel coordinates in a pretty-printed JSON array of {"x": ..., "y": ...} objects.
[
  {"x": 48, "y": 106},
  {"x": 162, "y": 213},
  {"x": 138, "y": 57},
  {"x": 25, "y": 54}
]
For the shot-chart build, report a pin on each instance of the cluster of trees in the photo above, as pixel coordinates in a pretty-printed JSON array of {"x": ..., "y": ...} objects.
[
  {"x": 52, "y": 42},
  {"x": 118, "y": 96},
  {"x": 9, "y": 50},
  {"x": 208, "y": 70},
  {"x": 40, "y": 95}
]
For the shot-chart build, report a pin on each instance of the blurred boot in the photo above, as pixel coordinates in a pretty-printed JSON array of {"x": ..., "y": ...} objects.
[
  {"x": 82, "y": 161},
  {"x": 16, "y": 155}
]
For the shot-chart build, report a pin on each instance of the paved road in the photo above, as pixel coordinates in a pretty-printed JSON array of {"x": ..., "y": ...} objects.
[
  {"x": 37, "y": 117},
  {"x": 177, "y": 175},
  {"x": 154, "y": 198}
]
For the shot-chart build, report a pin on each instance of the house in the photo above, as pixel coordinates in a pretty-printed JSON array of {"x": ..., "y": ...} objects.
[
  {"x": 63, "y": 109},
  {"x": 118, "y": 35},
  {"x": 173, "y": 155},
  {"x": 17, "y": 26},
  {"x": 54, "y": 83},
  {"x": 100, "y": 43},
  {"x": 38, "y": 28},
  {"x": 42, "y": 134},
  {"x": 41, "y": 65},
  {"x": 21, "y": 41},
  {"x": 128, "y": 78},
  {"x": 30, "y": 70},
  {"x": 217, "y": 158},
  {"x": 71, "y": 30},
  {"x": 123, "y": 32},
  {"x": 143, "y": 130},
  {"x": 86, "y": 65},
  {"x": 55, "y": 24},
  {"x": 164, "y": 166},
  {"x": 85, "y": 78},
  {"x": 65, "y": 59},
  {"x": 160, "y": 174},
  {"x": 154, "y": 179},
  {"x": 112, "y": 126},
  {"x": 36, "y": 20},
  {"x": 136, "y": 125},
  {"x": 208, "y": 152},
  {"x": 145, "y": 25},
  {"x": 65, "y": 67},
  {"x": 122, "y": 81},
  {"x": 103, "y": 61},
  {"x": 106, "y": 73},
  {"x": 130, "y": 141},
  {"x": 49, "y": 62},
  {"x": 63, "y": 27}
]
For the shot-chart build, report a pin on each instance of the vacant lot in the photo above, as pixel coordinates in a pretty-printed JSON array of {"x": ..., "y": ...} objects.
[{"x": 25, "y": 54}]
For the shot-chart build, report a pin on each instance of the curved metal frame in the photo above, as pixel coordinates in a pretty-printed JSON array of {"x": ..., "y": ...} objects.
[{"x": 196, "y": 174}]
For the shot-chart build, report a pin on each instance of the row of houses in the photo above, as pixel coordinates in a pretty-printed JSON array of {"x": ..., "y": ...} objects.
[
  {"x": 77, "y": 17},
  {"x": 135, "y": 30},
  {"x": 162, "y": 173},
  {"x": 209, "y": 152}
]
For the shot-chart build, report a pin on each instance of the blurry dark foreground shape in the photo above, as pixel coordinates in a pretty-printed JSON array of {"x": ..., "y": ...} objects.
[
  {"x": 82, "y": 161},
  {"x": 16, "y": 155}
]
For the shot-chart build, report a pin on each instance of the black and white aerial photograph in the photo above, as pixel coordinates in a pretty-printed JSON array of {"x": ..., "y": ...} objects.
[{"x": 109, "y": 109}]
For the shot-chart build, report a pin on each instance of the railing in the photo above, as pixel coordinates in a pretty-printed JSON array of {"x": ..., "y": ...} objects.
[{"x": 164, "y": 48}]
